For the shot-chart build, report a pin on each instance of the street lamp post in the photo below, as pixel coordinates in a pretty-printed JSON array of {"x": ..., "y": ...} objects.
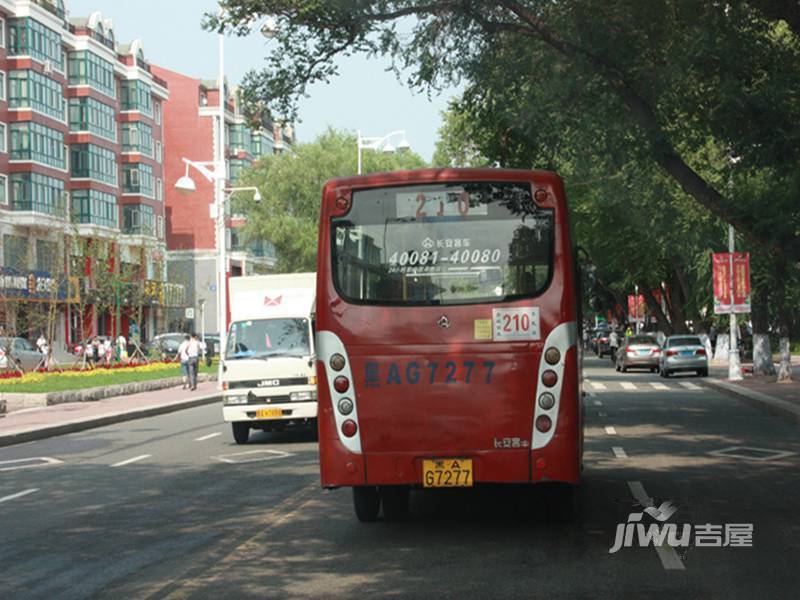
[{"x": 381, "y": 143}]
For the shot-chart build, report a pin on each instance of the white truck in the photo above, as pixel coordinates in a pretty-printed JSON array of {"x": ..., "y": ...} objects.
[{"x": 269, "y": 380}]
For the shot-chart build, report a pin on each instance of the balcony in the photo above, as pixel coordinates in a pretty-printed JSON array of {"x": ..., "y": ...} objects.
[
  {"x": 54, "y": 6},
  {"x": 29, "y": 213}
]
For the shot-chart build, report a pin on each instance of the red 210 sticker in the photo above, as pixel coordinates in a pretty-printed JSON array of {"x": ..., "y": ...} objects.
[{"x": 516, "y": 323}]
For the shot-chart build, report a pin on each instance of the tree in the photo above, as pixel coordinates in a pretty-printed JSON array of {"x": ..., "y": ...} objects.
[{"x": 291, "y": 187}]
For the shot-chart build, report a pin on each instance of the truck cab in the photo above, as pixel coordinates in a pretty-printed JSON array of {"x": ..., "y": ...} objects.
[{"x": 269, "y": 378}]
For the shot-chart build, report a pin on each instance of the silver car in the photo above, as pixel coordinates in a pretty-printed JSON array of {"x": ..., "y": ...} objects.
[
  {"x": 639, "y": 352},
  {"x": 683, "y": 353},
  {"x": 23, "y": 353}
]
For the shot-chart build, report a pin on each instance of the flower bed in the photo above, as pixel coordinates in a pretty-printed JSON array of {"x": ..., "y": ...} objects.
[{"x": 74, "y": 379}]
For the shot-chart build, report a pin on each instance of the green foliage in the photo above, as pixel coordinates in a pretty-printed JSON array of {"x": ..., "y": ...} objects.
[{"x": 291, "y": 188}]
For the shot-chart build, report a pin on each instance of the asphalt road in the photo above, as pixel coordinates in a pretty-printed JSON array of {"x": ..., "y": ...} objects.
[{"x": 170, "y": 507}]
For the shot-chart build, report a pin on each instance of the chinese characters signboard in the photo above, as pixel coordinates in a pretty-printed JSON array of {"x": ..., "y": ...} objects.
[{"x": 727, "y": 299}]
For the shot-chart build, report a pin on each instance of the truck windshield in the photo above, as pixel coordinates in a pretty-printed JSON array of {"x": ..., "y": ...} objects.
[
  {"x": 262, "y": 338},
  {"x": 443, "y": 244}
]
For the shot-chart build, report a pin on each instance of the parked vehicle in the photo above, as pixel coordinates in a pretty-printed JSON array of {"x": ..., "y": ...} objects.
[
  {"x": 601, "y": 346},
  {"x": 17, "y": 350},
  {"x": 165, "y": 344},
  {"x": 683, "y": 353},
  {"x": 639, "y": 352},
  {"x": 269, "y": 380}
]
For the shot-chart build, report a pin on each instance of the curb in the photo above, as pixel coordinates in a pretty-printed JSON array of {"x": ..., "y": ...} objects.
[
  {"x": 770, "y": 404},
  {"x": 28, "y": 435}
]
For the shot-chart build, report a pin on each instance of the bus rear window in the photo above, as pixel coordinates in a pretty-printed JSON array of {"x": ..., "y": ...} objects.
[{"x": 443, "y": 244}]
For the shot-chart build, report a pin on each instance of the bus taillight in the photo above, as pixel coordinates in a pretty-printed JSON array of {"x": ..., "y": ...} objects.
[
  {"x": 547, "y": 401},
  {"x": 543, "y": 423},
  {"x": 337, "y": 362},
  {"x": 345, "y": 406},
  {"x": 349, "y": 428},
  {"x": 549, "y": 378},
  {"x": 552, "y": 356},
  {"x": 341, "y": 384}
]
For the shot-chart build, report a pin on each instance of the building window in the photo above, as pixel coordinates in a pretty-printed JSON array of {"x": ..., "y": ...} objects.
[
  {"x": 138, "y": 219},
  {"x": 137, "y": 178},
  {"x": 235, "y": 167},
  {"x": 137, "y": 137},
  {"x": 157, "y": 111},
  {"x": 136, "y": 95},
  {"x": 3, "y": 190},
  {"x": 33, "y": 141},
  {"x": 2, "y": 85},
  {"x": 88, "y": 114},
  {"x": 86, "y": 68},
  {"x": 93, "y": 162},
  {"x": 3, "y": 138},
  {"x": 239, "y": 138},
  {"x": 28, "y": 37},
  {"x": 47, "y": 256},
  {"x": 160, "y": 231},
  {"x": 2, "y": 33},
  {"x": 15, "y": 251},
  {"x": 38, "y": 193},
  {"x": 159, "y": 190},
  {"x": 95, "y": 207},
  {"x": 30, "y": 89},
  {"x": 159, "y": 157}
]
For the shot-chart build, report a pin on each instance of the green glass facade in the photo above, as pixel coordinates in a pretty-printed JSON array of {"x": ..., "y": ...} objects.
[
  {"x": 136, "y": 95},
  {"x": 93, "y": 162},
  {"x": 137, "y": 178},
  {"x": 30, "y": 89},
  {"x": 86, "y": 68},
  {"x": 95, "y": 207},
  {"x": 38, "y": 193},
  {"x": 34, "y": 141},
  {"x": 138, "y": 219},
  {"x": 88, "y": 114},
  {"x": 28, "y": 37},
  {"x": 137, "y": 137}
]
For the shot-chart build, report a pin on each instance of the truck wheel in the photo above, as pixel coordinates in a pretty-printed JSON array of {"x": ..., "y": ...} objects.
[
  {"x": 241, "y": 431},
  {"x": 395, "y": 500},
  {"x": 367, "y": 503}
]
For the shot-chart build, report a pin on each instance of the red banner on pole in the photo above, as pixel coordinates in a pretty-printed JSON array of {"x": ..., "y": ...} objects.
[
  {"x": 731, "y": 292},
  {"x": 636, "y": 307}
]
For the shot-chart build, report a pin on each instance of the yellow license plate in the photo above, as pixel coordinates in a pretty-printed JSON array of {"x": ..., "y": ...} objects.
[
  {"x": 447, "y": 472},
  {"x": 269, "y": 413}
]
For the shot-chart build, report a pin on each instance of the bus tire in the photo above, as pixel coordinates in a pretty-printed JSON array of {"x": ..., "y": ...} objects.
[
  {"x": 395, "y": 501},
  {"x": 367, "y": 503},
  {"x": 241, "y": 431}
]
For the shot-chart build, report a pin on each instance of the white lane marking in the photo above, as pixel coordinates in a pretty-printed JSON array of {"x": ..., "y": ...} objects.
[
  {"x": 207, "y": 437},
  {"x": 131, "y": 460},
  {"x": 669, "y": 558},
  {"x": 619, "y": 451},
  {"x": 689, "y": 385},
  {"x": 598, "y": 403},
  {"x": 610, "y": 430},
  {"x": 598, "y": 386},
  {"x": 658, "y": 385},
  {"x": 251, "y": 456},
  {"x": 627, "y": 385},
  {"x": 752, "y": 453},
  {"x": 602, "y": 414},
  {"x": 32, "y": 463},
  {"x": 19, "y": 494}
]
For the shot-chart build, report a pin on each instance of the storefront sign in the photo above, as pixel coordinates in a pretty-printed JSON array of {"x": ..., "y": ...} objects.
[{"x": 37, "y": 285}]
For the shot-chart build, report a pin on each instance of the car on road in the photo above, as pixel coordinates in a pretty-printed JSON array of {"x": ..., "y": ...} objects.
[
  {"x": 639, "y": 352},
  {"x": 601, "y": 347},
  {"x": 683, "y": 353},
  {"x": 20, "y": 351},
  {"x": 165, "y": 344}
]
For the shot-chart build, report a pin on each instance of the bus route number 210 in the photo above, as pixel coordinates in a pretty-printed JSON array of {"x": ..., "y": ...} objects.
[{"x": 516, "y": 323}]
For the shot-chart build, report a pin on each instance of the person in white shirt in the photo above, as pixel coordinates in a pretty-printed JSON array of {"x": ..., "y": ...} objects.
[
  {"x": 184, "y": 358},
  {"x": 193, "y": 353}
]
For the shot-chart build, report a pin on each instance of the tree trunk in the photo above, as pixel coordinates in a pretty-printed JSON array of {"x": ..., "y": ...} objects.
[
  {"x": 663, "y": 324},
  {"x": 762, "y": 348},
  {"x": 785, "y": 368},
  {"x": 675, "y": 307}
]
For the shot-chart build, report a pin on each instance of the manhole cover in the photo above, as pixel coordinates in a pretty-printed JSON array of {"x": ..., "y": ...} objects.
[{"x": 750, "y": 453}]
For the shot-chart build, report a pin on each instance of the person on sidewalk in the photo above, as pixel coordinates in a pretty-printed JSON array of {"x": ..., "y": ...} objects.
[
  {"x": 193, "y": 352},
  {"x": 184, "y": 358},
  {"x": 613, "y": 344}
]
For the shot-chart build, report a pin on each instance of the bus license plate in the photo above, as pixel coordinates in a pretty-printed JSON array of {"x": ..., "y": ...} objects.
[
  {"x": 269, "y": 413},
  {"x": 447, "y": 472}
]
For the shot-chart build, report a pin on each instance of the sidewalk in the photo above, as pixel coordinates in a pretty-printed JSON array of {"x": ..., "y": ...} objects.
[
  {"x": 37, "y": 423},
  {"x": 782, "y": 399}
]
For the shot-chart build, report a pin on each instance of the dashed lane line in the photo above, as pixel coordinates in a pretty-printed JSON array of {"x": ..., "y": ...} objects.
[
  {"x": 598, "y": 386},
  {"x": 610, "y": 430},
  {"x": 669, "y": 558},
  {"x": 598, "y": 403},
  {"x": 627, "y": 385},
  {"x": 658, "y": 385},
  {"x": 207, "y": 437},
  {"x": 19, "y": 494},
  {"x": 131, "y": 460},
  {"x": 602, "y": 415},
  {"x": 619, "y": 452},
  {"x": 689, "y": 385}
]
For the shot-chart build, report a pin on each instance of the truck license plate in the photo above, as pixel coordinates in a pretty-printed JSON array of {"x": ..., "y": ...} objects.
[{"x": 269, "y": 413}]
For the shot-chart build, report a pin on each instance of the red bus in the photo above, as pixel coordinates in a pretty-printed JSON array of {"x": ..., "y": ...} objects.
[{"x": 447, "y": 328}]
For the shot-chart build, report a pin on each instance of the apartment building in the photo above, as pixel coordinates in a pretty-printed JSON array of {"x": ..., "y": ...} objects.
[
  {"x": 191, "y": 116},
  {"x": 82, "y": 179}
]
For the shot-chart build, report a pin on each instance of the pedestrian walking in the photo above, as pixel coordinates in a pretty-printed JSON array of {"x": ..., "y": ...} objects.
[
  {"x": 193, "y": 354},
  {"x": 183, "y": 356},
  {"x": 613, "y": 344}
]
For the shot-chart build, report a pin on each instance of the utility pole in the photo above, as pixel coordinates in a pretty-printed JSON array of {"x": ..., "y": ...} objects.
[{"x": 734, "y": 363}]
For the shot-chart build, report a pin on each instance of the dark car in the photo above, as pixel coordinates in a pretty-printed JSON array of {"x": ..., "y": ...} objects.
[
  {"x": 165, "y": 344},
  {"x": 601, "y": 346}
]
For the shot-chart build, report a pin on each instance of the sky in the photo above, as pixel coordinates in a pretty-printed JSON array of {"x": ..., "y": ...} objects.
[{"x": 364, "y": 96}]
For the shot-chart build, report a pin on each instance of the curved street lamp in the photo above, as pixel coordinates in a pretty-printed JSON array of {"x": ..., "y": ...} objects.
[{"x": 381, "y": 143}]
